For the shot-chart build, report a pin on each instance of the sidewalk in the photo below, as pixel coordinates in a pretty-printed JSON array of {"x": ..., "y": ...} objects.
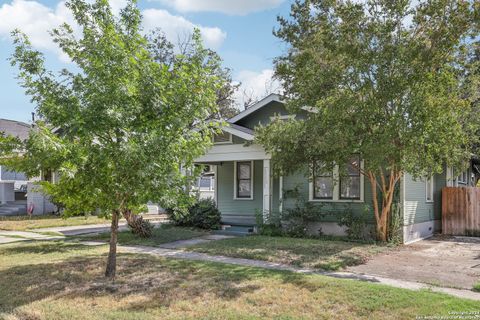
[
  {"x": 84, "y": 229},
  {"x": 13, "y": 236},
  {"x": 62, "y": 232}
]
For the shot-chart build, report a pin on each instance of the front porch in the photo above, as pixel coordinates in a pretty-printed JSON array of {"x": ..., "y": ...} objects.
[{"x": 244, "y": 186}]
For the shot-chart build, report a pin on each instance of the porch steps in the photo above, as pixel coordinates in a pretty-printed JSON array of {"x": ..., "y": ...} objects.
[
  {"x": 13, "y": 208},
  {"x": 236, "y": 230}
]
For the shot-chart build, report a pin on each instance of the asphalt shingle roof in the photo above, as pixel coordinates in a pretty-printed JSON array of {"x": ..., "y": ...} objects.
[{"x": 15, "y": 128}]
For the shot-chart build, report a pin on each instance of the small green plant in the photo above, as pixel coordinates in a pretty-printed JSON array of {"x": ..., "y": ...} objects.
[
  {"x": 476, "y": 287},
  {"x": 272, "y": 228},
  {"x": 395, "y": 236},
  {"x": 357, "y": 227},
  {"x": 296, "y": 220}
]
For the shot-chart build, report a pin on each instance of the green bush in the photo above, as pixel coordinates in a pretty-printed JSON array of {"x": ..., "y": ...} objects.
[
  {"x": 357, "y": 225},
  {"x": 292, "y": 222},
  {"x": 295, "y": 220},
  {"x": 203, "y": 214},
  {"x": 178, "y": 217},
  {"x": 272, "y": 229}
]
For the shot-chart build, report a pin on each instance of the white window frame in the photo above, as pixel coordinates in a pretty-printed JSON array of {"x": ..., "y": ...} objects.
[
  {"x": 460, "y": 178},
  {"x": 252, "y": 173},
  {"x": 210, "y": 188},
  {"x": 230, "y": 140},
  {"x": 336, "y": 188},
  {"x": 431, "y": 181}
]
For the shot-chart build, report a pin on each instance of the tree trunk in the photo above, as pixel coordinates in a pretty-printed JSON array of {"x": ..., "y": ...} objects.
[
  {"x": 112, "y": 254},
  {"x": 138, "y": 225},
  {"x": 387, "y": 188}
]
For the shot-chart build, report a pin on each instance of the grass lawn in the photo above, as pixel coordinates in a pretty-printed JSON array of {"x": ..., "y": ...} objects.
[
  {"x": 311, "y": 253},
  {"x": 59, "y": 280},
  {"x": 22, "y": 223},
  {"x": 161, "y": 234}
]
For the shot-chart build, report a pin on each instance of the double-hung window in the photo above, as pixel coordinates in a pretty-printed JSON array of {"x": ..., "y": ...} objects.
[
  {"x": 350, "y": 183},
  {"x": 244, "y": 180},
  {"x": 340, "y": 184},
  {"x": 323, "y": 182}
]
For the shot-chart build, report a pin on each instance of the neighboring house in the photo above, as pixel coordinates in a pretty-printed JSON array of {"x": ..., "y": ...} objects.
[
  {"x": 206, "y": 184},
  {"x": 20, "y": 130},
  {"x": 245, "y": 185},
  {"x": 16, "y": 190}
]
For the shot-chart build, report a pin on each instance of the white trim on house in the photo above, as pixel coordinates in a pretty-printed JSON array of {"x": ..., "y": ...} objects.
[
  {"x": 450, "y": 177},
  {"x": 280, "y": 194},
  {"x": 260, "y": 104},
  {"x": 238, "y": 133},
  {"x": 215, "y": 189},
  {"x": 233, "y": 152},
  {"x": 336, "y": 189},
  {"x": 431, "y": 181},
  {"x": 453, "y": 178},
  {"x": 267, "y": 190},
  {"x": 252, "y": 175}
]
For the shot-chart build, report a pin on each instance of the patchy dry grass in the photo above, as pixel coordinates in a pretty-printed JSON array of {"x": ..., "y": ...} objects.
[
  {"x": 311, "y": 253},
  {"x": 161, "y": 234},
  {"x": 22, "y": 223},
  {"x": 59, "y": 280}
]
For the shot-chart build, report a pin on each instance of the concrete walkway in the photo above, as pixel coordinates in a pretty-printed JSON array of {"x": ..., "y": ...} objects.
[
  {"x": 165, "y": 251},
  {"x": 85, "y": 229},
  {"x": 38, "y": 234}
]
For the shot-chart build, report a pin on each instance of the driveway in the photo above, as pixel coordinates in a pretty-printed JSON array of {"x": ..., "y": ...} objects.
[{"x": 440, "y": 261}]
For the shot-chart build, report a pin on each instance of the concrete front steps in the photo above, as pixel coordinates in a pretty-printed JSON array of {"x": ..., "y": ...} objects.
[
  {"x": 13, "y": 208},
  {"x": 236, "y": 230}
]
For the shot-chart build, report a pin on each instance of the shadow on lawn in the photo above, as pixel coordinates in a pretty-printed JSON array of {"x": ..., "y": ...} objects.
[
  {"x": 159, "y": 281},
  {"x": 45, "y": 248}
]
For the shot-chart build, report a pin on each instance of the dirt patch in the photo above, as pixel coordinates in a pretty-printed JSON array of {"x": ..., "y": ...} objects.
[{"x": 441, "y": 261}]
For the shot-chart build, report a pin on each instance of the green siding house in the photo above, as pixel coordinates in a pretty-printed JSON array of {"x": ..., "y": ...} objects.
[{"x": 245, "y": 185}]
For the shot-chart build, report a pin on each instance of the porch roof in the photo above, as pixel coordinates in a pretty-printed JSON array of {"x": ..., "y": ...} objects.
[{"x": 233, "y": 152}]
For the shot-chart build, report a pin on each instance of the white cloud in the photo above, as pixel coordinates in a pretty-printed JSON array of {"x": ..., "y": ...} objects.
[
  {"x": 36, "y": 20},
  {"x": 233, "y": 7},
  {"x": 177, "y": 27},
  {"x": 255, "y": 86}
]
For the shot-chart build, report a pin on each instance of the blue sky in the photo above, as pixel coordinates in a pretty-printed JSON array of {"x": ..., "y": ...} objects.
[{"x": 239, "y": 30}]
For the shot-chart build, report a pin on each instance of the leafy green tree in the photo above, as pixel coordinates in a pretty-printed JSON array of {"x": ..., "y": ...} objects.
[
  {"x": 382, "y": 79},
  {"x": 164, "y": 52},
  {"x": 119, "y": 126}
]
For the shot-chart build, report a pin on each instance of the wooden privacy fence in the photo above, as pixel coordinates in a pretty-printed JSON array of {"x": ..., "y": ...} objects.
[{"x": 461, "y": 211}]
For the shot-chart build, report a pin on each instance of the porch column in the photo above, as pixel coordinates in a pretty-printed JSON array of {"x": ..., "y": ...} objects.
[
  {"x": 215, "y": 186},
  {"x": 267, "y": 190}
]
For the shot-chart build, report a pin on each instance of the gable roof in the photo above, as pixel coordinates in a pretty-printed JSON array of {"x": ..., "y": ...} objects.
[
  {"x": 260, "y": 104},
  {"x": 15, "y": 128}
]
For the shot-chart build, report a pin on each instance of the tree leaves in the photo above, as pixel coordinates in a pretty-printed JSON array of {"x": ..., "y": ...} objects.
[
  {"x": 119, "y": 125},
  {"x": 383, "y": 79}
]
